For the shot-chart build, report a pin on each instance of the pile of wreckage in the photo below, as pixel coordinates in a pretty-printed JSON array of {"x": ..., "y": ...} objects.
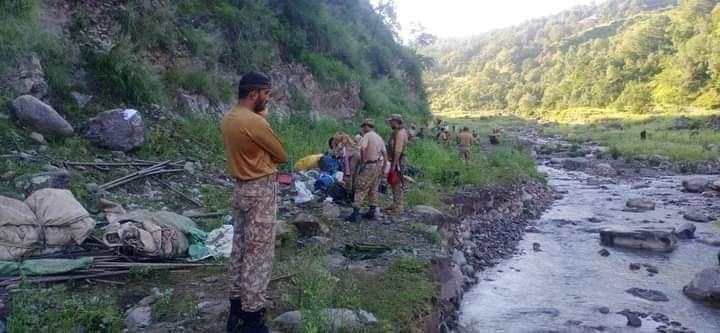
[{"x": 51, "y": 237}]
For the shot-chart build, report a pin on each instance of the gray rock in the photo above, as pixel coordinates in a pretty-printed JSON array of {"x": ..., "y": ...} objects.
[
  {"x": 40, "y": 117},
  {"x": 640, "y": 204},
  {"x": 318, "y": 240},
  {"x": 644, "y": 239},
  {"x": 426, "y": 210},
  {"x": 657, "y": 160},
  {"x": 52, "y": 179},
  {"x": 309, "y": 226},
  {"x": 189, "y": 167},
  {"x": 339, "y": 320},
  {"x": 575, "y": 163},
  {"x": 605, "y": 169},
  {"x": 695, "y": 185},
  {"x": 138, "y": 317},
  {"x": 634, "y": 266},
  {"x": 686, "y": 231},
  {"x": 459, "y": 258},
  {"x": 29, "y": 78},
  {"x": 648, "y": 294},
  {"x": 604, "y": 253},
  {"x": 331, "y": 210},
  {"x": 714, "y": 241},
  {"x": 604, "y": 310},
  {"x": 118, "y": 129},
  {"x": 715, "y": 185},
  {"x": 283, "y": 231},
  {"x": 536, "y": 247},
  {"x": 698, "y": 217},
  {"x": 705, "y": 286},
  {"x": 632, "y": 319},
  {"x": 38, "y": 138}
]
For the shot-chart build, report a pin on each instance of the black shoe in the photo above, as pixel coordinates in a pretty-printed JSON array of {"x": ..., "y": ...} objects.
[
  {"x": 354, "y": 217},
  {"x": 234, "y": 315},
  {"x": 253, "y": 322},
  {"x": 370, "y": 215}
]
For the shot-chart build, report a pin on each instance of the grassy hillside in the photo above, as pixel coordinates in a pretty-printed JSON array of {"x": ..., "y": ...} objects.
[{"x": 620, "y": 54}]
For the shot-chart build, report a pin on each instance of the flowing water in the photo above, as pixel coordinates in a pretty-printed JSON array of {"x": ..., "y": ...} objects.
[{"x": 561, "y": 287}]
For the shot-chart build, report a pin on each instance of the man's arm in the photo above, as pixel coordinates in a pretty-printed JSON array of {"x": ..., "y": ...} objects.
[
  {"x": 401, "y": 139},
  {"x": 267, "y": 140}
]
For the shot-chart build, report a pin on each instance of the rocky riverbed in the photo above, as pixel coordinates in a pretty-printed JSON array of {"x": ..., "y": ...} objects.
[{"x": 565, "y": 276}]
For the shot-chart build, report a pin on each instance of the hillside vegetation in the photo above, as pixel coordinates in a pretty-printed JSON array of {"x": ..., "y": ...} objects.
[{"x": 631, "y": 55}]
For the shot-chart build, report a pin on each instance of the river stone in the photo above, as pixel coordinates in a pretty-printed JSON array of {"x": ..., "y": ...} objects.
[
  {"x": 697, "y": 217},
  {"x": 340, "y": 320},
  {"x": 633, "y": 320},
  {"x": 648, "y": 294},
  {"x": 575, "y": 163},
  {"x": 715, "y": 185},
  {"x": 640, "y": 204},
  {"x": 605, "y": 169},
  {"x": 331, "y": 210},
  {"x": 40, "y": 117},
  {"x": 705, "y": 286},
  {"x": 309, "y": 226},
  {"x": 139, "y": 317},
  {"x": 644, "y": 239},
  {"x": 118, "y": 129},
  {"x": 695, "y": 185},
  {"x": 38, "y": 138},
  {"x": 686, "y": 231}
]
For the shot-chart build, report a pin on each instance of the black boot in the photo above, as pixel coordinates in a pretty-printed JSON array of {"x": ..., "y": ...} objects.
[
  {"x": 253, "y": 322},
  {"x": 355, "y": 216},
  {"x": 234, "y": 315},
  {"x": 370, "y": 215}
]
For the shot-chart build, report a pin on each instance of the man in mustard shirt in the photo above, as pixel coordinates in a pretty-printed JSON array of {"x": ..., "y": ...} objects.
[{"x": 253, "y": 151}]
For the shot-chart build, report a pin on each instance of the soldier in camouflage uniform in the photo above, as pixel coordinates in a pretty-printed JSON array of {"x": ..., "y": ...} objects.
[
  {"x": 252, "y": 150},
  {"x": 398, "y": 161},
  {"x": 369, "y": 171}
]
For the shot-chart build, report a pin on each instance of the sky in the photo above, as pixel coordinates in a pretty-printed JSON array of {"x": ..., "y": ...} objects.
[{"x": 463, "y": 18}]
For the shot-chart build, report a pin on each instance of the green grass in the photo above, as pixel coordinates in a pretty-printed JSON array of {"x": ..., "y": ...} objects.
[
  {"x": 172, "y": 307},
  {"x": 621, "y": 132},
  {"x": 54, "y": 310}
]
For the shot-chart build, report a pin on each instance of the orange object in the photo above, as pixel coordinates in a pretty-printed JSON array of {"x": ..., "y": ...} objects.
[{"x": 394, "y": 177}]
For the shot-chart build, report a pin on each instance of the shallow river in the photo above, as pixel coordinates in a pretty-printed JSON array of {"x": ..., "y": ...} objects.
[{"x": 561, "y": 287}]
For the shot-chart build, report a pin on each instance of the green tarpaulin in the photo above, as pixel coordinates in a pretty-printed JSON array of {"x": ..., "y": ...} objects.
[{"x": 44, "y": 266}]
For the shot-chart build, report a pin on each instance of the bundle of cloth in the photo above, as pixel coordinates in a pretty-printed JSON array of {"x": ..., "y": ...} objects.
[{"x": 48, "y": 221}]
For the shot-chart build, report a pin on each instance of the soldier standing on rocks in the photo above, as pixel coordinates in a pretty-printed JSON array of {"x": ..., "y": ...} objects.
[
  {"x": 253, "y": 151},
  {"x": 373, "y": 157},
  {"x": 398, "y": 161}
]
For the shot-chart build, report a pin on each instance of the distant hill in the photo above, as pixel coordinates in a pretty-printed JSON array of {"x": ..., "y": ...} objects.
[{"x": 627, "y": 54}]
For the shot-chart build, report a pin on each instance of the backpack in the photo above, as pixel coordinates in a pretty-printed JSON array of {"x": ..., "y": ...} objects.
[{"x": 329, "y": 164}]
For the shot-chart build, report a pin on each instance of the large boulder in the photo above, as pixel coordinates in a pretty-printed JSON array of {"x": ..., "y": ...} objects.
[
  {"x": 29, "y": 78},
  {"x": 638, "y": 204},
  {"x": 686, "y": 231},
  {"x": 643, "y": 239},
  {"x": 118, "y": 129},
  {"x": 340, "y": 320},
  {"x": 705, "y": 286},
  {"x": 699, "y": 217},
  {"x": 308, "y": 225},
  {"x": 695, "y": 185},
  {"x": 40, "y": 117}
]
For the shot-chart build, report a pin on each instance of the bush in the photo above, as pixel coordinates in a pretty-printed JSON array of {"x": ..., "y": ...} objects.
[
  {"x": 120, "y": 77},
  {"x": 200, "y": 81},
  {"x": 329, "y": 71},
  {"x": 636, "y": 97}
]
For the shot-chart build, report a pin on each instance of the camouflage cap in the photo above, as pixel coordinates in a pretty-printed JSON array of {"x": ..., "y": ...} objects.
[
  {"x": 396, "y": 117},
  {"x": 369, "y": 122}
]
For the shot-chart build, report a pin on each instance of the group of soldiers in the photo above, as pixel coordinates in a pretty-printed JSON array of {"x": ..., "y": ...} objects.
[
  {"x": 368, "y": 160},
  {"x": 465, "y": 140},
  {"x": 253, "y": 152}
]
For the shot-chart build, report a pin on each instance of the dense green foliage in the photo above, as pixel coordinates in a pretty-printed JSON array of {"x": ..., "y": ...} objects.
[
  {"x": 203, "y": 46},
  {"x": 625, "y": 54}
]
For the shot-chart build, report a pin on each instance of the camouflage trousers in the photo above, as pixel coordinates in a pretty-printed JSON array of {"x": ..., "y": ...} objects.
[
  {"x": 367, "y": 182},
  {"x": 398, "y": 190},
  {"x": 464, "y": 153},
  {"x": 251, "y": 260}
]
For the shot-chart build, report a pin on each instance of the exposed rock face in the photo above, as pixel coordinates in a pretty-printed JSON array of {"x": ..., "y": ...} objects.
[
  {"x": 289, "y": 80},
  {"x": 29, "y": 78},
  {"x": 118, "y": 129},
  {"x": 644, "y": 239},
  {"x": 199, "y": 104},
  {"x": 705, "y": 286},
  {"x": 40, "y": 117}
]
